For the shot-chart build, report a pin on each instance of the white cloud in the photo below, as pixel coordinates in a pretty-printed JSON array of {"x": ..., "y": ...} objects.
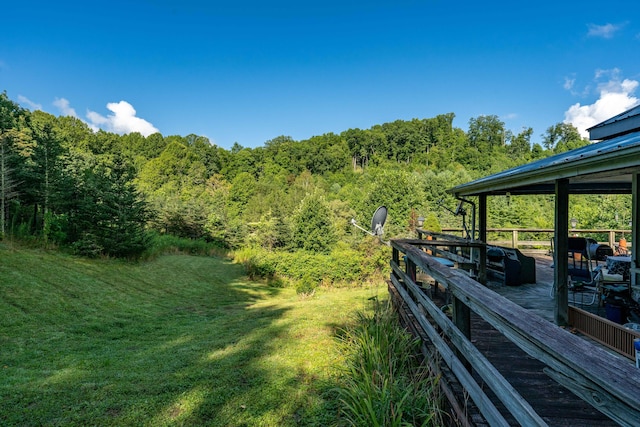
[
  {"x": 64, "y": 107},
  {"x": 123, "y": 120},
  {"x": 615, "y": 96},
  {"x": 605, "y": 31},
  {"x": 569, "y": 82},
  {"x": 29, "y": 103}
]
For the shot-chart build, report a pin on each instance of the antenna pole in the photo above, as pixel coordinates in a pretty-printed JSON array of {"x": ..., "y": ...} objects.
[{"x": 355, "y": 224}]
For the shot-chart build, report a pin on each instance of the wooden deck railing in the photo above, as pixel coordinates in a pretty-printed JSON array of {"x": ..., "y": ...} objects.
[
  {"x": 541, "y": 237},
  {"x": 607, "y": 381}
]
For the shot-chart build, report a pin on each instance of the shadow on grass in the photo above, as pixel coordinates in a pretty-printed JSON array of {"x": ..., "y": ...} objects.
[{"x": 183, "y": 341}]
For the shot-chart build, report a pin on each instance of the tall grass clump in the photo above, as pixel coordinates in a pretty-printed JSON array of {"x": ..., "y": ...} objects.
[{"x": 384, "y": 382}]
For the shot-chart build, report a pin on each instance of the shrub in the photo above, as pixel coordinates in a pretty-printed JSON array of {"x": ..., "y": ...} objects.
[
  {"x": 257, "y": 264},
  {"x": 307, "y": 270},
  {"x": 167, "y": 243},
  {"x": 306, "y": 286},
  {"x": 87, "y": 246}
]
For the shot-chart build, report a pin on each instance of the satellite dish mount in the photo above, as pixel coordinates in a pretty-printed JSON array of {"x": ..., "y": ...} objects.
[{"x": 461, "y": 211}]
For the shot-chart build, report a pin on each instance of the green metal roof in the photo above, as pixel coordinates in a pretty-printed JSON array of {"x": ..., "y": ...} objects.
[{"x": 598, "y": 168}]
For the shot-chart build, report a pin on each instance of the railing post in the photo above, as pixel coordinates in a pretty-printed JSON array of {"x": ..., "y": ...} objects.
[
  {"x": 514, "y": 239},
  {"x": 462, "y": 320},
  {"x": 411, "y": 269},
  {"x": 635, "y": 229},
  {"x": 395, "y": 256},
  {"x": 612, "y": 238}
]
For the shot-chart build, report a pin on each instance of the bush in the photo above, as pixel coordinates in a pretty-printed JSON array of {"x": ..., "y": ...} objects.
[
  {"x": 307, "y": 270},
  {"x": 165, "y": 243},
  {"x": 306, "y": 286},
  {"x": 87, "y": 247},
  {"x": 257, "y": 264},
  {"x": 259, "y": 269}
]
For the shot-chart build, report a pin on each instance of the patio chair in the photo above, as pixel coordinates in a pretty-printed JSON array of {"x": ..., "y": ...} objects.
[
  {"x": 580, "y": 266},
  {"x": 579, "y": 293},
  {"x": 583, "y": 289},
  {"x": 583, "y": 294}
]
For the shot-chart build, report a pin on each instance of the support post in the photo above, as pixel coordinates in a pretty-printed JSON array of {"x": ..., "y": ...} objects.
[
  {"x": 635, "y": 232},
  {"x": 395, "y": 256},
  {"x": 482, "y": 236},
  {"x": 561, "y": 261}
]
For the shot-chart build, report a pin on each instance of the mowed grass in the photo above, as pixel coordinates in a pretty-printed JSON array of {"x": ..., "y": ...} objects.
[{"x": 181, "y": 340}]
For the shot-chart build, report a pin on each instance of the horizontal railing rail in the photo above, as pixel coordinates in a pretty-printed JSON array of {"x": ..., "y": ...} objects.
[
  {"x": 605, "y": 380},
  {"x": 543, "y": 236}
]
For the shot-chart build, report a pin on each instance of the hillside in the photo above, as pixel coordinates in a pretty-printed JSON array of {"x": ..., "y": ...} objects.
[
  {"x": 181, "y": 339},
  {"x": 103, "y": 193}
]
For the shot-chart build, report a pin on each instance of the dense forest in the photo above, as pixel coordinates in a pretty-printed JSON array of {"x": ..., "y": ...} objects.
[{"x": 104, "y": 194}]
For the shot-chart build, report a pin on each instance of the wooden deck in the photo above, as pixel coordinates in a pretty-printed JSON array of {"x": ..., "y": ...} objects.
[
  {"x": 555, "y": 404},
  {"x": 535, "y": 297}
]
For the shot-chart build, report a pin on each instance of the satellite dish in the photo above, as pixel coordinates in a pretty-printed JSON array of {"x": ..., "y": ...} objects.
[
  {"x": 378, "y": 220},
  {"x": 377, "y": 223}
]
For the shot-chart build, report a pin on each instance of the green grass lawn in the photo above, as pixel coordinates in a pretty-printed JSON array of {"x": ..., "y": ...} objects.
[{"x": 180, "y": 340}]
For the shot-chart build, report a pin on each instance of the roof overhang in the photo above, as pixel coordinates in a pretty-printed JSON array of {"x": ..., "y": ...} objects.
[{"x": 600, "y": 168}]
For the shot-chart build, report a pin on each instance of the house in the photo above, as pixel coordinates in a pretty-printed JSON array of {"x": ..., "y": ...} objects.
[{"x": 609, "y": 166}]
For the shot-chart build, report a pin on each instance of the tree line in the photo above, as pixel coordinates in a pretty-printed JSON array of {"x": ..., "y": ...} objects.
[{"x": 100, "y": 193}]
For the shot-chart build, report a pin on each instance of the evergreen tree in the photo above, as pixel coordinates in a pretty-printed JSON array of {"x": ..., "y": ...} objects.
[
  {"x": 313, "y": 228},
  {"x": 14, "y": 140},
  {"x": 111, "y": 215},
  {"x": 8, "y": 185}
]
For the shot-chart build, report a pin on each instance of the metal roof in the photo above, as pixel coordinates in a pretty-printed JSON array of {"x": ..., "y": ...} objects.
[
  {"x": 626, "y": 122},
  {"x": 598, "y": 168}
]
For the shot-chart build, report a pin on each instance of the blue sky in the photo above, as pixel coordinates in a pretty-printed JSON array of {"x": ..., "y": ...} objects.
[{"x": 247, "y": 72}]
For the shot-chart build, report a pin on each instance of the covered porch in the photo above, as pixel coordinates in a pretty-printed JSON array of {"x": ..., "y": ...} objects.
[
  {"x": 489, "y": 329},
  {"x": 611, "y": 166}
]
